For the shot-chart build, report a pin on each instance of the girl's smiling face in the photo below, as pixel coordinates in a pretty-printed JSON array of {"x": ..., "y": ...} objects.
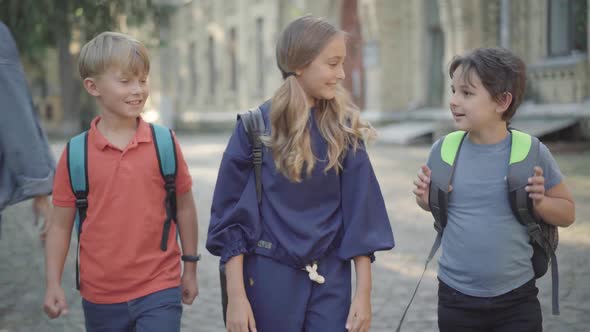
[{"x": 320, "y": 78}]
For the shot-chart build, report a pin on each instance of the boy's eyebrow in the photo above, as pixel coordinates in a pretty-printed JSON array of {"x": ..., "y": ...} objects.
[
  {"x": 336, "y": 57},
  {"x": 131, "y": 75}
]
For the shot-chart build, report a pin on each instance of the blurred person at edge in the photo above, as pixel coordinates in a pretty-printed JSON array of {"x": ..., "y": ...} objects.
[{"x": 26, "y": 162}]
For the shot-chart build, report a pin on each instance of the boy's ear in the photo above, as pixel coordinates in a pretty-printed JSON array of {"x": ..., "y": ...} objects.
[
  {"x": 90, "y": 86},
  {"x": 504, "y": 102}
]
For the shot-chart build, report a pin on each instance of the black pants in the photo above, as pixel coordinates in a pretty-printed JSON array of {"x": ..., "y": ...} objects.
[{"x": 516, "y": 311}]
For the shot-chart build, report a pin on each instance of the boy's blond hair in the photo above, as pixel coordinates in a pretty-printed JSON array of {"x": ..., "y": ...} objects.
[{"x": 113, "y": 49}]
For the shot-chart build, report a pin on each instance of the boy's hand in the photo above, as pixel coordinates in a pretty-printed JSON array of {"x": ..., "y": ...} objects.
[
  {"x": 190, "y": 287},
  {"x": 422, "y": 184},
  {"x": 55, "y": 302},
  {"x": 536, "y": 186},
  {"x": 359, "y": 315}
]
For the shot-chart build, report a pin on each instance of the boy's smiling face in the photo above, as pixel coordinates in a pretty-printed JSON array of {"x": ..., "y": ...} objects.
[
  {"x": 472, "y": 105},
  {"x": 120, "y": 93}
]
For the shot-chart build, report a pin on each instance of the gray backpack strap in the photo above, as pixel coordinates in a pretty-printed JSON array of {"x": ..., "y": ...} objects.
[
  {"x": 433, "y": 251},
  {"x": 443, "y": 168},
  {"x": 524, "y": 157},
  {"x": 255, "y": 127}
]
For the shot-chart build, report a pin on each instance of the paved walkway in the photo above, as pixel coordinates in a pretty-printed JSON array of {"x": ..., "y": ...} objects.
[{"x": 395, "y": 272}]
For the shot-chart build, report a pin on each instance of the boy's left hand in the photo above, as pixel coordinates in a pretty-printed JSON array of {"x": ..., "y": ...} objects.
[
  {"x": 359, "y": 316},
  {"x": 536, "y": 186},
  {"x": 190, "y": 287}
]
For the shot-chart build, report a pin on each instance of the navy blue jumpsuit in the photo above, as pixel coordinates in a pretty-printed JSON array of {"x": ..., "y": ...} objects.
[{"x": 326, "y": 219}]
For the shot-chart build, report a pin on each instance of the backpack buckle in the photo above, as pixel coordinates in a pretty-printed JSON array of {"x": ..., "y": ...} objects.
[
  {"x": 438, "y": 227},
  {"x": 533, "y": 229},
  {"x": 81, "y": 203},
  {"x": 170, "y": 187},
  {"x": 169, "y": 183}
]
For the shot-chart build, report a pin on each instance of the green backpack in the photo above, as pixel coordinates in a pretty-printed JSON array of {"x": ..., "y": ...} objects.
[{"x": 77, "y": 153}]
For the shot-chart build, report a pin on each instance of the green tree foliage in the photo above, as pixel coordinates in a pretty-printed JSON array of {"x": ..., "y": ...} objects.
[
  {"x": 38, "y": 24},
  {"x": 41, "y": 24}
]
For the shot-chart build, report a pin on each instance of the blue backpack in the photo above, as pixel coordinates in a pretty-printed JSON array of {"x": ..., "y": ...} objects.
[{"x": 77, "y": 154}]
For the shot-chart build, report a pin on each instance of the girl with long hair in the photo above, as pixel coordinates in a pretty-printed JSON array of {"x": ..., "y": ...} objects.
[{"x": 288, "y": 258}]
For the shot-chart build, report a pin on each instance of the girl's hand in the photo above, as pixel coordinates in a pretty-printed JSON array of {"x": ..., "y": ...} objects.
[
  {"x": 240, "y": 317},
  {"x": 536, "y": 186},
  {"x": 359, "y": 316}
]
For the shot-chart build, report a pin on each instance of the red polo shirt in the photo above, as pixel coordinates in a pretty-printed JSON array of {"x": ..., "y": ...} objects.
[{"x": 120, "y": 255}]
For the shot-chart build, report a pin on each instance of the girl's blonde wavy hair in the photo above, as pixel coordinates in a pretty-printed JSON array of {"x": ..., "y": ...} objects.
[{"x": 338, "y": 119}]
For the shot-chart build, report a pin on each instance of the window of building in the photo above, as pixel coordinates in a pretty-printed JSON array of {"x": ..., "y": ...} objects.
[
  {"x": 260, "y": 56},
  {"x": 233, "y": 60},
  {"x": 567, "y": 27},
  {"x": 192, "y": 66},
  {"x": 211, "y": 58}
]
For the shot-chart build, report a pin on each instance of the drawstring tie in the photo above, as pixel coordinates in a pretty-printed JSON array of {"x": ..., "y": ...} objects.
[{"x": 313, "y": 273}]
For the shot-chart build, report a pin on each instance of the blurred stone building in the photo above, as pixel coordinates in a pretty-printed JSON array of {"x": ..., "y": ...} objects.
[
  {"x": 224, "y": 51},
  {"x": 216, "y": 57},
  {"x": 224, "y": 54}
]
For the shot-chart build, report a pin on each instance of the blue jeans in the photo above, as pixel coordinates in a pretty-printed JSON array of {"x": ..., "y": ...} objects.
[{"x": 159, "y": 311}]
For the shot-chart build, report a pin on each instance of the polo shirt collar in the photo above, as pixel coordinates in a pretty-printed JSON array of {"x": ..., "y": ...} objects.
[{"x": 143, "y": 134}]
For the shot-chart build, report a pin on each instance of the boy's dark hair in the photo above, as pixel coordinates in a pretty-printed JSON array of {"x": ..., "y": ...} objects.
[{"x": 499, "y": 70}]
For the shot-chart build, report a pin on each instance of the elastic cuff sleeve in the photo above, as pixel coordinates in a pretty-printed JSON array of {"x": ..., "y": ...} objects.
[{"x": 233, "y": 249}]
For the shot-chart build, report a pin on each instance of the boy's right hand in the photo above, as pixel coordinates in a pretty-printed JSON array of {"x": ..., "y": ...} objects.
[
  {"x": 240, "y": 317},
  {"x": 422, "y": 189},
  {"x": 55, "y": 302}
]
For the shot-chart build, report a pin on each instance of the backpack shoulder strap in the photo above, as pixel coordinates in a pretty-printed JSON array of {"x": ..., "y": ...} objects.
[
  {"x": 524, "y": 156},
  {"x": 166, "y": 150},
  {"x": 442, "y": 165},
  {"x": 254, "y": 126},
  {"x": 167, "y": 161},
  {"x": 77, "y": 157},
  {"x": 253, "y": 123},
  {"x": 77, "y": 154}
]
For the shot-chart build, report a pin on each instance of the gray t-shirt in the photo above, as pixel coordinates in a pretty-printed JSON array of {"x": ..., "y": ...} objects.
[{"x": 485, "y": 250}]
